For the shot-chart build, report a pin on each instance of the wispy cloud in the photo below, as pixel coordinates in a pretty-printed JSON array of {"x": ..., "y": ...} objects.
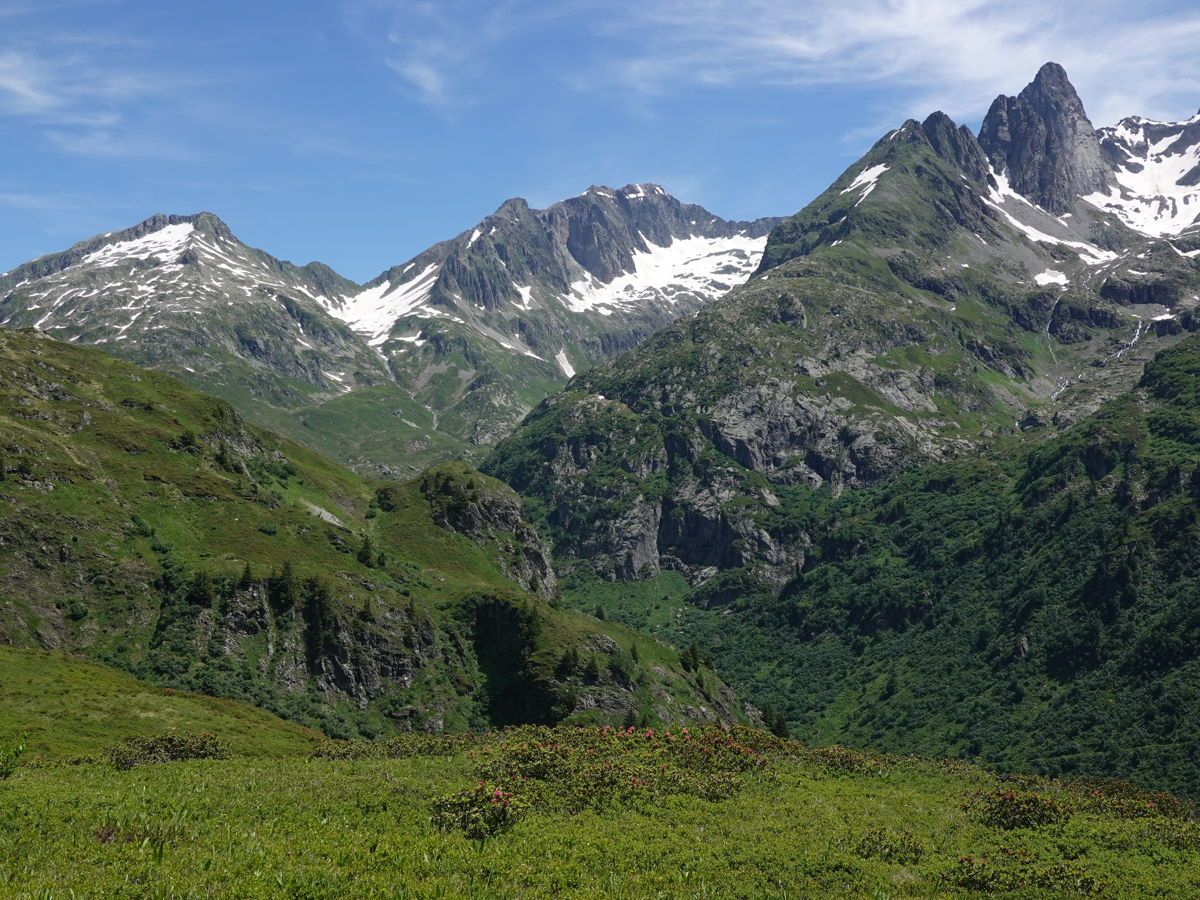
[
  {"x": 83, "y": 102},
  {"x": 949, "y": 54},
  {"x": 447, "y": 53}
]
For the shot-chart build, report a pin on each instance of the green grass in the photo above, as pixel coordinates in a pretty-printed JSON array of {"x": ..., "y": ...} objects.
[
  {"x": 804, "y": 823},
  {"x": 69, "y": 708}
]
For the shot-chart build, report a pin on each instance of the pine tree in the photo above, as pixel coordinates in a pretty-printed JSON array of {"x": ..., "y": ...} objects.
[
  {"x": 568, "y": 665},
  {"x": 282, "y": 589},
  {"x": 366, "y": 553},
  {"x": 247, "y": 579},
  {"x": 777, "y": 723}
]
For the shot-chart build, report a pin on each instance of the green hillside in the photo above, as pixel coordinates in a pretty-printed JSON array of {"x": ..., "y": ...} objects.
[
  {"x": 68, "y": 708},
  {"x": 1037, "y": 610},
  {"x": 147, "y": 526}
]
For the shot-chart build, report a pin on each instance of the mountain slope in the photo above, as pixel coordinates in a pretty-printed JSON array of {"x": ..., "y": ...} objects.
[
  {"x": 181, "y": 292},
  {"x": 1035, "y": 609},
  {"x": 919, "y": 308},
  {"x": 147, "y": 526}
]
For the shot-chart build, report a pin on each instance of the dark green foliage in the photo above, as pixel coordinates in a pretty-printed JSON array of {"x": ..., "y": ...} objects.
[
  {"x": 691, "y": 659},
  {"x": 164, "y": 748},
  {"x": 568, "y": 665},
  {"x": 366, "y": 552},
  {"x": 283, "y": 590},
  {"x": 1009, "y": 809},
  {"x": 479, "y": 813},
  {"x": 319, "y": 620}
]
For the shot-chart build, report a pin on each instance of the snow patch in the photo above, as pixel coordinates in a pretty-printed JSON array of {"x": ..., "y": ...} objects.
[
  {"x": 563, "y": 363},
  {"x": 867, "y": 178},
  {"x": 685, "y": 267},
  {"x": 1050, "y": 276},
  {"x": 373, "y": 312},
  {"x": 1149, "y": 196},
  {"x": 168, "y": 243}
]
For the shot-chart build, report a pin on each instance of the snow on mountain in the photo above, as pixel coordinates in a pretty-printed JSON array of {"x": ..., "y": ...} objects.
[
  {"x": 692, "y": 265},
  {"x": 1156, "y": 167},
  {"x": 373, "y": 312},
  {"x": 182, "y": 293},
  {"x": 1018, "y": 210}
]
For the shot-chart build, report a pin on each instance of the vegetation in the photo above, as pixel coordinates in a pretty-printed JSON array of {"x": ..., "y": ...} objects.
[
  {"x": 539, "y": 811},
  {"x": 65, "y": 709},
  {"x": 163, "y": 748}
]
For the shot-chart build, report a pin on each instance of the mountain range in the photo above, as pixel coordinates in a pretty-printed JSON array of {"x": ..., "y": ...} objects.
[
  {"x": 926, "y": 305},
  {"x": 917, "y": 466},
  {"x": 439, "y": 356}
]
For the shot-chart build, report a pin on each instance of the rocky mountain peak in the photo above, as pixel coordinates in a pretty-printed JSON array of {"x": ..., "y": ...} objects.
[
  {"x": 1044, "y": 140},
  {"x": 956, "y": 144}
]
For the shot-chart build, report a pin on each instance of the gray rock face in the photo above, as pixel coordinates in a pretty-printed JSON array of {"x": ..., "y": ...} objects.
[
  {"x": 956, "y": 144},
  {"x": 1043, "y": 138},
  {"x": 483, "y": 324}
]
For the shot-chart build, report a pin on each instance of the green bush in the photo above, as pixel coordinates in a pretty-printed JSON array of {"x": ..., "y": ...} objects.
[
  {"x": 479, "y": 813},
  {"x": 1009, "y": 809},
  {"x": 170, "y": 747}
]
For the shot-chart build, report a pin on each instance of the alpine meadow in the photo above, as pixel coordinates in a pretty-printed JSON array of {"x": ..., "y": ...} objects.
[{"x": 846, "y": 546}]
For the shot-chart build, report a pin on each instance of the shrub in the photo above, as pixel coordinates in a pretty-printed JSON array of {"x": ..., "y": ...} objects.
[
  {"x": 1009, "y": 809},
  {"x": 1017, "y": 873},
  {"x": 170, "y": 747},
  {"x": 890, "y": 846},
  {"x": 9, "y": 757},
  {"x": 479, "y": 813},
  {"x": 1121, "y": 800},
  {"x": 844, "y": 761},
  {"x": 595, "y": 768}
]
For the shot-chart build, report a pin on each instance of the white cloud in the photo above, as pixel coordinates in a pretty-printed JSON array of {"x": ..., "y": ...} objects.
[{"x": 950, "y": 54}]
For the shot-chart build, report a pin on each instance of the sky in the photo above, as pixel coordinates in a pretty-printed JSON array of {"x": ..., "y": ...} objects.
[{"x": 359, "y": 132}]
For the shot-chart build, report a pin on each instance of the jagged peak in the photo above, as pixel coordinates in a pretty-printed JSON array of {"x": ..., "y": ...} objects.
[
  {"x": 513, "y": 206},
  {"x": 1044, "y": 139},
  {"x": 1052, "y": 74},
  {"x": 641, "y": 191}
]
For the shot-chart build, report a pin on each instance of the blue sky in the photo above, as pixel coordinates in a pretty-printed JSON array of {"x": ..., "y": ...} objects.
[{"x": 358, "y": 132}]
